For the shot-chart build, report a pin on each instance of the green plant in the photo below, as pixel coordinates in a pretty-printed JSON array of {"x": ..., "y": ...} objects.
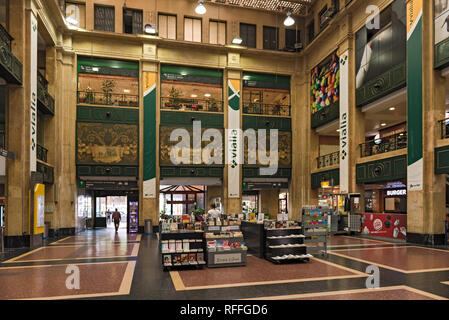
[
  {"x": 107, "y": 87},
  {"x": 174, "y": 95},
  {"x": 89, "y": 96},
  {"x": 212, "y": 103}
]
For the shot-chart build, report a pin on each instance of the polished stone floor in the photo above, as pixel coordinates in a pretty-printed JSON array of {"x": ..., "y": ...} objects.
[{"x": 121, "y": 266}]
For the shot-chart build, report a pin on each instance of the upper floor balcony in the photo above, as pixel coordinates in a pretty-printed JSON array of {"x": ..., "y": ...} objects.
[
  {"x": 193, "y": 104},
  {"x": 46, "y": 102},
  {"x": 384, "y": 145},
  {"x": 107, "y": 99},
  {"x": 444, "y": 128},
  {"x": 10, "y": 66},
  {"x": 267, "y": 109},
  {"x": 41, "y": 153},
  {"x": 325, "y": 115}
]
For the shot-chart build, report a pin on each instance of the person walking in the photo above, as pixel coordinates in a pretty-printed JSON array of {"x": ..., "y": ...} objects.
[{"x": 116, "y": 217}]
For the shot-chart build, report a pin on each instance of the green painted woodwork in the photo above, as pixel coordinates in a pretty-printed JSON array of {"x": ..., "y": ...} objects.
[
  {"x": 253, "y": 172},
  {"x": 317, "y": 178},
  {"x": 256, "y": 122},
  {"x": 149, "y": 135},
  {"x": 185, "y": 119},
  {"x": 442, "y": 54},
  {"x": 382, "y": 170},
  {"x": 191, "y": 74},
  {"x": 381, "y": 86},
  {"x": 107, "y": 115},
  {"x": 105, "y": 170},
  {"x": 268, "y": 81},
  {"x": 191, "y": 171},
  {"x": 442, "y": 160},
  {"x": 325, "y": 115},
  {"x": 108, "y": 67}
]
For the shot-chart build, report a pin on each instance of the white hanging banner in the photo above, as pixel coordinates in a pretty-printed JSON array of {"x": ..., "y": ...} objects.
[
  {"x": 233, "y": 150},
  {"x": 344, "y": 133},
  {"x": 33, "y": 93}
]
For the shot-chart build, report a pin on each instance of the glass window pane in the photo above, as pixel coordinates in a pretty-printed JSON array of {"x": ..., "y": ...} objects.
[
  {"x": 162, "y": 26},
  {"x": 171, "y": 27},
  {"x": 196, "y": 30},
  {"x": 222, "y": 33},
  {"x": 213, "y": 32},
  {"x": 188, "y": 29}
]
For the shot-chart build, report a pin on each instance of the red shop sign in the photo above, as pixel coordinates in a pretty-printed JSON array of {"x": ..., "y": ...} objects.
[{"x": 385, "y": 225}]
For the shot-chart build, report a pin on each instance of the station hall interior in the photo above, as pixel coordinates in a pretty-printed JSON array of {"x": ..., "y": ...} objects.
[{"x": 224, "y": 149}]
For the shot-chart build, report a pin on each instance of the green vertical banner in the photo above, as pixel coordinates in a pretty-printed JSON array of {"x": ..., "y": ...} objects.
[
  {"x": 149, "y": 135},
  {"x": 414, "y": 95}
]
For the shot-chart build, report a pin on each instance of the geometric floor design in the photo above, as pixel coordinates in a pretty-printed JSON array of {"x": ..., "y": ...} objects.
[{"x": 121, "y": 266}]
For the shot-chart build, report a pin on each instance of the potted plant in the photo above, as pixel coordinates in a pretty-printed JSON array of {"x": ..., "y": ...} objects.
[
  {"x": 88, "y": 95},
  {"x": 174, "y": 95},
  {"x": 107, "y": 87},
  {"x": 198, "y": 213},
  {"x": 212, "y": 104}
]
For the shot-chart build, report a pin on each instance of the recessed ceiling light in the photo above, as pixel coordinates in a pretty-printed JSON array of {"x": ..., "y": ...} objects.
[
  {"x": 338, "y": 130},
  {"x": 392, "y": 109},
  {"x": 383, "y": 124},
  {"x": 126, "y": 91},
  {"x": 237, "y": 40},
  {"x": 207, "y": 95},
  {"x": 194, "y": 96}
]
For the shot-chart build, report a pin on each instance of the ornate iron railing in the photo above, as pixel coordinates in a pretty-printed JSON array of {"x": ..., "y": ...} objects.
[
  {"x": 209, "y": 105},
  {"x": 444, "y": 128},
  {"x": 108, "y": 99},
  {"x": 10, "y": 66},
  {"x": 45, "y": 100},
  {"x": 41, "y": 153},
  {"x": 387, "y": 144},
  {"x": 329, "y": 160},
  {"x": 267, "y": 109}
]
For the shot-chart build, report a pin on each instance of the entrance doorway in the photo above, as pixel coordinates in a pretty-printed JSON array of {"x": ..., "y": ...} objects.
[{"x": 105, "y": 206}]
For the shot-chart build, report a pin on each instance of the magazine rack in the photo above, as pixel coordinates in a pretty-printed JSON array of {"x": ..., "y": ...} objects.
[{"x": 315, "y": 224}]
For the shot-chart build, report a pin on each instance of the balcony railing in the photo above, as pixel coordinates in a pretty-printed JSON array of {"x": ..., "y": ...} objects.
[
  {"x": 47, "y": 171},
  {"x": 387, "y": 144},
  {"x": 329, "y": 160},
  {"x": 45, "y": 101},
  {"x": 325, "y": 115},
  {"x": 108, "y": 99},
  {"x": 168, "y": 103},
  {"x": 444, "y": 127},
  {"x": 267, "y": 109},
  {"x": 41, "y": 153},
  {"x": 10, "y": 66}
]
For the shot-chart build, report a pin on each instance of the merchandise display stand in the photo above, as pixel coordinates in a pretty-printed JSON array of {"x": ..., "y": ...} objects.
[
  {"x": 225, "y": 249},
  {"x": 181, "y": 248},
  {"x": 284, "y": 243},
  {"x": 254, "y": 236},
  {"x": 315, "y": 224}
]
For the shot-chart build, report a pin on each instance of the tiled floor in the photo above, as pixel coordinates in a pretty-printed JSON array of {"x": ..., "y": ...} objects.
[{"x": 129, "y": 267}]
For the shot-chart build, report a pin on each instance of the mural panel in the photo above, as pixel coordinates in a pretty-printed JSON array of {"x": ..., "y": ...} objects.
[
  {"x": 103, "y": 143},
  {"x": 325, "y": 82},
  {"x": 441, "y": 20}
]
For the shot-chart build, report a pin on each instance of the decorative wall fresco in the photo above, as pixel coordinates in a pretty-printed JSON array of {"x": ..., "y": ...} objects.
[
  {"x": 104, "y": 143},
  {"x": 284, "y": 150},
  {"x": 166, "y": 145},
  {"x": 325, "y": 81}
]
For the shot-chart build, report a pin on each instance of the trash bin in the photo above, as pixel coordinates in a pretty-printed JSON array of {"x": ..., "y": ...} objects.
[
  {"x": 148, "y": 226},
  {"x": 2, "y": 239},
  {"x": 46, "y": 229}
]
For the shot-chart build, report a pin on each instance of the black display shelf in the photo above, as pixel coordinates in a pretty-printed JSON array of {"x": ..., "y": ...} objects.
[
  {"x": 281, "y": 242},
  {"x": 254, "y": 235}
]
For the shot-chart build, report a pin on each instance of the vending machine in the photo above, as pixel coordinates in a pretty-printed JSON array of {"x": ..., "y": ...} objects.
[{"x": 133, "y": 214}]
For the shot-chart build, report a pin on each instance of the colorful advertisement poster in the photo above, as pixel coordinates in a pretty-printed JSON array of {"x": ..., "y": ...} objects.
[
  {"x": 385, "y": 225},
  {"x": 441, "y": 20}
]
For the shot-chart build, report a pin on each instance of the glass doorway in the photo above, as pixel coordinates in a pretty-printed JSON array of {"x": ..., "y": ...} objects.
[{"x": 105, "y": 207}]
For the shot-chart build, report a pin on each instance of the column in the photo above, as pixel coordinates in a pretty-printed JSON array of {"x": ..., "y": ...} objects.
[{"x": 149, "y": 160}]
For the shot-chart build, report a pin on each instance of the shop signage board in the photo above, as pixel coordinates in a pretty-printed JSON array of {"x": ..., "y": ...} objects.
[
  {"x": 414, "y": 95},
  {"x": 385, "y": 225},
  {"x": 227, "y": 258},
  {"x": 149, "y": 134},
  {"x": 344, "y": 119},
  {"x": 396, "y": 193},
  {"x": 233, "y": 141},
  {"x": 33, "y": 92}
]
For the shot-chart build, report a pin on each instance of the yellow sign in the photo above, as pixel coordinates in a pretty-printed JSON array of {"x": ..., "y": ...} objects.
[
  {"x": 414, "y": 13},
  {"x": 325, "y": 184},
  {"x": 39, "y": 209}
]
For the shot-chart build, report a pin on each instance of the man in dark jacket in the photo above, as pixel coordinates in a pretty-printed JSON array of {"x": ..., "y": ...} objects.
[{"x": 116, "y": 217}]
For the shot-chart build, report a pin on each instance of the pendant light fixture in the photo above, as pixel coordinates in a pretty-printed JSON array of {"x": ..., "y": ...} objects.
[
  {"x": 289, "y": 21},
  {"x": 200, "y": 8}
]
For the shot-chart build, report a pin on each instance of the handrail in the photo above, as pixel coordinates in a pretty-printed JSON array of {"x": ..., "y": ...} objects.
[
  {"x": 192, "y": 104},
  {"x": 444, "y": 127},
  {"x": 102, "y": 98},
  {"x": 267, "y": 109},
  {"x": 328, "y": 160},
  {"x": 386, "y": 144}
]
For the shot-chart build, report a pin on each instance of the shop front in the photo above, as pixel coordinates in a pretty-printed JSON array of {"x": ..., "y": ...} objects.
[{"x": 385, "y": 210}]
